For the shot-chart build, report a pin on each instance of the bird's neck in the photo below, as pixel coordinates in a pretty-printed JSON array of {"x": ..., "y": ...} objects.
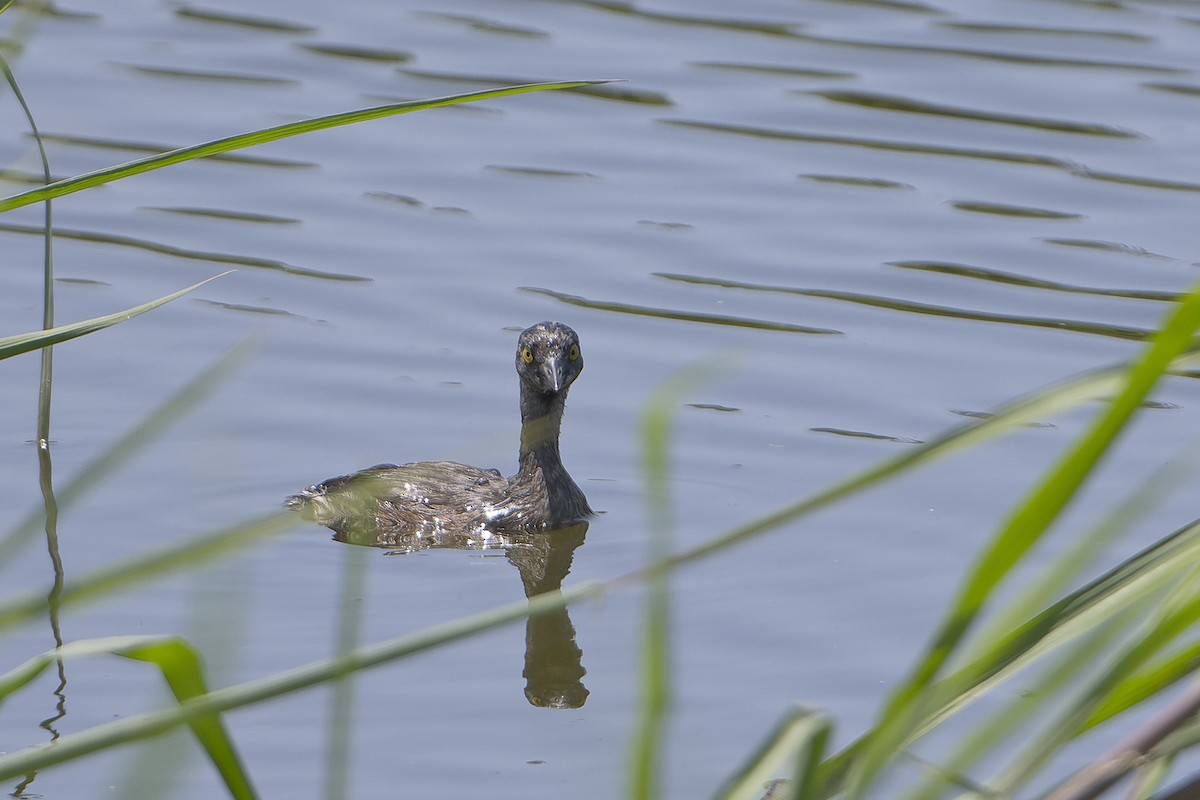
[
  {"x": 541, "y": 421},
  {"x": 541, "y": 467}
]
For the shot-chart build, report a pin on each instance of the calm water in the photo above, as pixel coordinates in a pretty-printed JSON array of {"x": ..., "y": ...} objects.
[{"x": 978, "y": 198}]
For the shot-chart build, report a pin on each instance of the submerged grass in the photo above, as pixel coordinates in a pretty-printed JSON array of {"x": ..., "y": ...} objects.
[{"x": 1119, "y": 642}]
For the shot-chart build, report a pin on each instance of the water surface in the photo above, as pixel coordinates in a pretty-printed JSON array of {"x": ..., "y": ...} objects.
[{"x": 888, "y": 216}]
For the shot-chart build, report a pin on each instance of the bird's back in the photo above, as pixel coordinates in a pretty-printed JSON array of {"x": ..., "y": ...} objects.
[{"x": 422, "y": 498}]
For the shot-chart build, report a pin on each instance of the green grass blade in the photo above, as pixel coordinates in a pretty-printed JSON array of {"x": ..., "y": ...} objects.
[
  {"x": 1150, "y": 778},
  {"x": 180, "y": 665},
  {"x": 273, "y": 134},
  {"x": 1001, "y": 653},
  {"x": 1133, "y": 582},
  {"x": 1149, "y": 682},
  {"x": 647, "y": 745},
  {"x": 1013, "y": 415},
  {"x": 1081, "y": 554},
  {"x": 23, "y": 343},
  {"x": 108, "y": 580},
  {"x": 1054, "y": 680},
  {"x": 20, "y": 676},
  {"x": 793, "y": 749},
  {"x": 1017, "y": 536},
  {"x": 339, "y": 732},
  {"x": 1157, "y": 739},
  {"x": 128, "y": 445},
  {"x": 129, "y": 729},
  {"x": 1170, "y": 620}
]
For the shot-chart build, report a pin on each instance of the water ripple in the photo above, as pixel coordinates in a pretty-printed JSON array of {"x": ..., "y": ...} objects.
[
  {"x": 1014, "y": 279},
  {"x": 1108, "y": 247},
  {"x": 921, "y": 148},
  {"x": 894, "y": 145},
  {"x": 882, "y": 437},
  {"x": 776, "y": 69},
  {"x": 1010, "y": 210},
  {"x": 484, "y": 25},
  {"x": 1187, "y": 89},
  {"x": 908, "y": 306},
  {"x": 1045, "y": 30},
  {"x": 887, "y": 102},
  {"x": 180, "y": 252},
  {"x": 668, "y": 313},
  {"x": 210, "y": 76},
  {"x": 1002, "y": 56},
  {"x": 213, "y": 15},
  {"x": 225, "y": 214},
  {"x": 855, "y": 180},
  {"x": 357, "y": 52}
]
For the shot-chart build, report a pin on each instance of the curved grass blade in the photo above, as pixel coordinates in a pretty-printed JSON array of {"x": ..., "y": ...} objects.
[
  {"x": 1018, "y": 413},
  {"x": 273, "y": 134},
  {"x": 794, "y": 748},
  {"x": 656, "y": 699},
  {"x": 1054, "y": 581},
  {"x": 180, "y": 665},
  {"x": 185, "y": 556},
  {"x": 1168, "y": 621},
  {"x": 145, "y": 431},
  {"x": 1155, "y": 740},
  {"x": 142, "y": 726},
  {"x": 1099, "y": 614},
  {"x": 1156, "y": 677},
  {"x": 1023, "y": 529},
  {"x": 23, "y": 343},
  {"x": 339, "y": 732},
  {"x": 1011, "y": 642}
]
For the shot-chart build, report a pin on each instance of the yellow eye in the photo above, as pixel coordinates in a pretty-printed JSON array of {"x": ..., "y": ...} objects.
[
  {"x": 526, "y": 355},
  {"x": 574, "y": 354}
]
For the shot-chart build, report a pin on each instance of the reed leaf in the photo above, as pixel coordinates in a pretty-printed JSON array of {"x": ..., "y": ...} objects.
[
  {"x": 180, "y": 665},
  {"x": 128, "y": 445},
  {"x": 1169, "y": 620},
  {"x": 793, "y": 749},
  {"x": 143, "y": 726},
  {"x": 243, "y": 140},
  {"x": 1016, "y": 537},
  {"x": 656, "y": 429},
  {"x": 108, "y": 580},
  {"x": 25, "y": 342}
]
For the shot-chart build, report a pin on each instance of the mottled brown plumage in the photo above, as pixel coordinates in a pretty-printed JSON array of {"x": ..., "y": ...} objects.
[{"x": 422, "y": 503}]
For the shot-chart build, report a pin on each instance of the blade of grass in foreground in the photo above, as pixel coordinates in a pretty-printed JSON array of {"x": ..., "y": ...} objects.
[
  {"x": 1076, "y": 615},
  {"x": 273, "y": 134},
  {"x": 24, "y": 342},
  {"x": 656, "y": 429},
  {"x": 1046, "y": 402},
  {"x": 794, "y": 749},
  {"x": 1095, "y": 385},
  {"x": 141, "y": 435},
  {"x": 1022, "y": 633},
  {"x": 1165, "y": 623},
  {"x": 188, "y": 555},
  {"x": 142, "y": 726},
  {"x": 180, "y": 665},
  {"x": 1023, "y": 529}
]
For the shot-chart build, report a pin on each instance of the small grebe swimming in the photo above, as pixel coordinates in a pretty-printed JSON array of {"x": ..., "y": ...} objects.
[{"x": 444, "y": 498}]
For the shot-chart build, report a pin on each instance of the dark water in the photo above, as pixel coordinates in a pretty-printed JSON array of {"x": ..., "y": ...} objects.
[{"x": 886, "y": 215}]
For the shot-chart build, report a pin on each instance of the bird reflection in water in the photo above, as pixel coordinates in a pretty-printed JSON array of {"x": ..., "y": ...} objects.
[
  {"x": 535, "y": 516},
  {"x": 553, "y": 661}
]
